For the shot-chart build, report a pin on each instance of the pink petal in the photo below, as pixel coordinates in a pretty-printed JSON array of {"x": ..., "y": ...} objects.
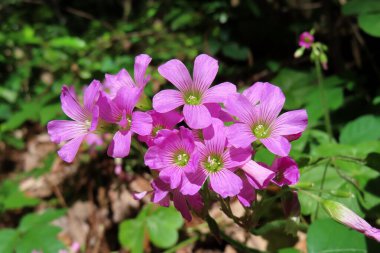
[
  {"x": 172, "y": 176},
  {"x": 126, "y": 98},
  {"x": 195, "y": 201},
  {"x": 286, "y": 170},
  {"x": 108, "y": 109},
  {"x": 278, "y": 145},
  {"x": 240, "y": 135},
  {"x": 71, "y": 106},
  {"x": 258, "y": 175},
  {"x": 120, "y": 145},
  {"x": 205, "y": 69},
  {"x": 176, "y": 72},
  {"x": 240, "y": 107},
  {"x": 193, "y": 182},
  {"x": 236, "y": 157},
  {"x": 226, "y": 183},
  {"x": 141, "y": 64},
  {"x": 154, "y": 158},
  {"x": 215, "y": 137},
  {"x": 70, "y": 149},
  {"x": 196, "y": 116},
  {"x": 247, "y": 194},
  {"x": 160, "y": 189},
  {"x": 139, "y": 195},
  {"x": 141, "y": 123},
  {"x": 291, "y": 123},
  {"x": 219, "y": 93},
  {"x": 181, "y": 205},
  {"x": 95, "y": 118},
  {"x": 63, "y": 130},
  {"x": 271, "y": 103},
  {"x": 167, "y": 100},
  {"x": 115, "y": 82},
  {"x": 91, "y": 94}
]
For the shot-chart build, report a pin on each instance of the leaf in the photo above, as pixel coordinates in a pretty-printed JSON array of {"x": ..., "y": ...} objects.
[
  {"x": 50, "y": 112},
  {"x": 329, "y": 236},
  {"x": 364, "y": 128},
  {"x": 8, "y": 239},
  {"x": 353, "y": 7},
  {"x": 235, "y": 51},
  {"x": 32, "y": 220},
  {"x": 42, "y": 238},
  {"x": 12, "y": 198},
  {"x": 162, "y": 225},
  {"x": 68, "y": 42},
  {"x": 131, "y": 235},
  {"x": 370, "y": 23}
]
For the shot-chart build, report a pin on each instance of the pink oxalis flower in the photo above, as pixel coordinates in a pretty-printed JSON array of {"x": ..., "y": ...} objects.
[
  {"x": 193, "y": 93},
  {"x": 306, "y": 39},
  {"x": 120, "y": 111},
  {"x": 83, "y": 124},
  {"x": 124, "y": 79},
  {"x": 218, "y": 162},
  {"x": 257, "y": 110},
  {"x": 286, "y": 170}
]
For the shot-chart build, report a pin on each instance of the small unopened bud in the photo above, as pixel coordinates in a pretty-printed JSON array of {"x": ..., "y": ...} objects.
[
  {"x": 299, "y": 52},
  {"x": 341, "y": 194},
  {"x": 342, "y": 214}
]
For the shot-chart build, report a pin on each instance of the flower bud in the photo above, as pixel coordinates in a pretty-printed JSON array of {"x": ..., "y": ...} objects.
[
  {"x": 299, "y": 52},
  {"x": 342, "y": 214}
]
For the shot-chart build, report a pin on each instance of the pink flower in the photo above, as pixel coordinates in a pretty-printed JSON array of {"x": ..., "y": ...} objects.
[
  {"x": 183, "y": 203},
  {"x": 192, "y": 93},
  {"x": 218, "y": 162},
  {"x": 120, "y": 111},
  {"x": 286, "y": 170},
  {"x": 257, "y": 174},
  {"x": 306, "y": 40},
  {"x": 123, "y": 79},
  {"x": 347, "y": 217},
  {"x": 161, "y": 121},
  {"x": 174, "y": 156},
  {"x": 258, "y": 110},
  {"x": 84, "y": 120}
]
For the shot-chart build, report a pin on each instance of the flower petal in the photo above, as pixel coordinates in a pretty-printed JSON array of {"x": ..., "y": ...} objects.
[
  {"x": 115, "y": 82},
  {"x": 271, "y": 103},
  {"x": 70, "y": 149},
  {"x": 71, "y": 106},
  {"x": 247, "y": 194},
  {"x": 154, "y": 158},
  {"x": 219, "y": 93},
  {"x": 120, "y": 145},
  {"x": 63, "y": 130},
  {"x": 161, "y": 190},
  {"x": 278, "y": 145},
  {"x": 290, "y": 123},
  {"x": 258, "y": 176},
  {"x": 286, "y": 170},
  {"x": 195, "y": 201},
  {"x": 226, "y": 183},
  {"x": 108, "y": 109},
  {"x": 176, "y": 72},
  {"x": 193, "y": 182},
  {"x": 141, "y": 123},
  {"x": 236, "y": 157},
  {"x": 240, "y": 107},
  {"x": 91, "y": 95},
  {"x": 181, "y": 205},
  {"x": 167, "y": 100},
  {"x": 172, "y": 176},
  {"x": 141, "y": 64},
  {"x": 196, "y": 116},
  {"x": 240, "y": 135},
  {"x": 127, "y": 98},
  {"x": 205, "y": 69}
]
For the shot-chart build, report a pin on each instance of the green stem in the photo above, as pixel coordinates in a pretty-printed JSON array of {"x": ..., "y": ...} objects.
[
  {"x": 322, "y": 185},
  {"x": 182, "y": 244},
  {"x": 324, "y": 100}
]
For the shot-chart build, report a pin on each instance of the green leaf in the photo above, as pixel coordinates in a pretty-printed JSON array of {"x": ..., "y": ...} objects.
[
  {"x": 162, "y": 225},
  {"x": 8, "y": 239},
  {"x": 370, "y": 23},
  {"x": 131, "y": 235},
  {"x": 329, "y": 236},
  {"x": 235, "y": 51},
  {"x": 42, "y": 238},
  {"x": 12, "y": 198},
  {"x": 354, "y": 7},
  {"x": 68, "y": 42},
  {"x": 50, "y": 112},
  {"x": 32, "y": 220},
  {"x": 364, "y": 128}
]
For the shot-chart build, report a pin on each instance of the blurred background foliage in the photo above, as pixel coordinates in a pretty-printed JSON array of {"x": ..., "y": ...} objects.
[{"x": 45, "y": 44}]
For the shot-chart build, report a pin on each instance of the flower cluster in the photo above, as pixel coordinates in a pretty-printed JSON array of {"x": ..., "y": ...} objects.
[{"x": 199, "y": 137}]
